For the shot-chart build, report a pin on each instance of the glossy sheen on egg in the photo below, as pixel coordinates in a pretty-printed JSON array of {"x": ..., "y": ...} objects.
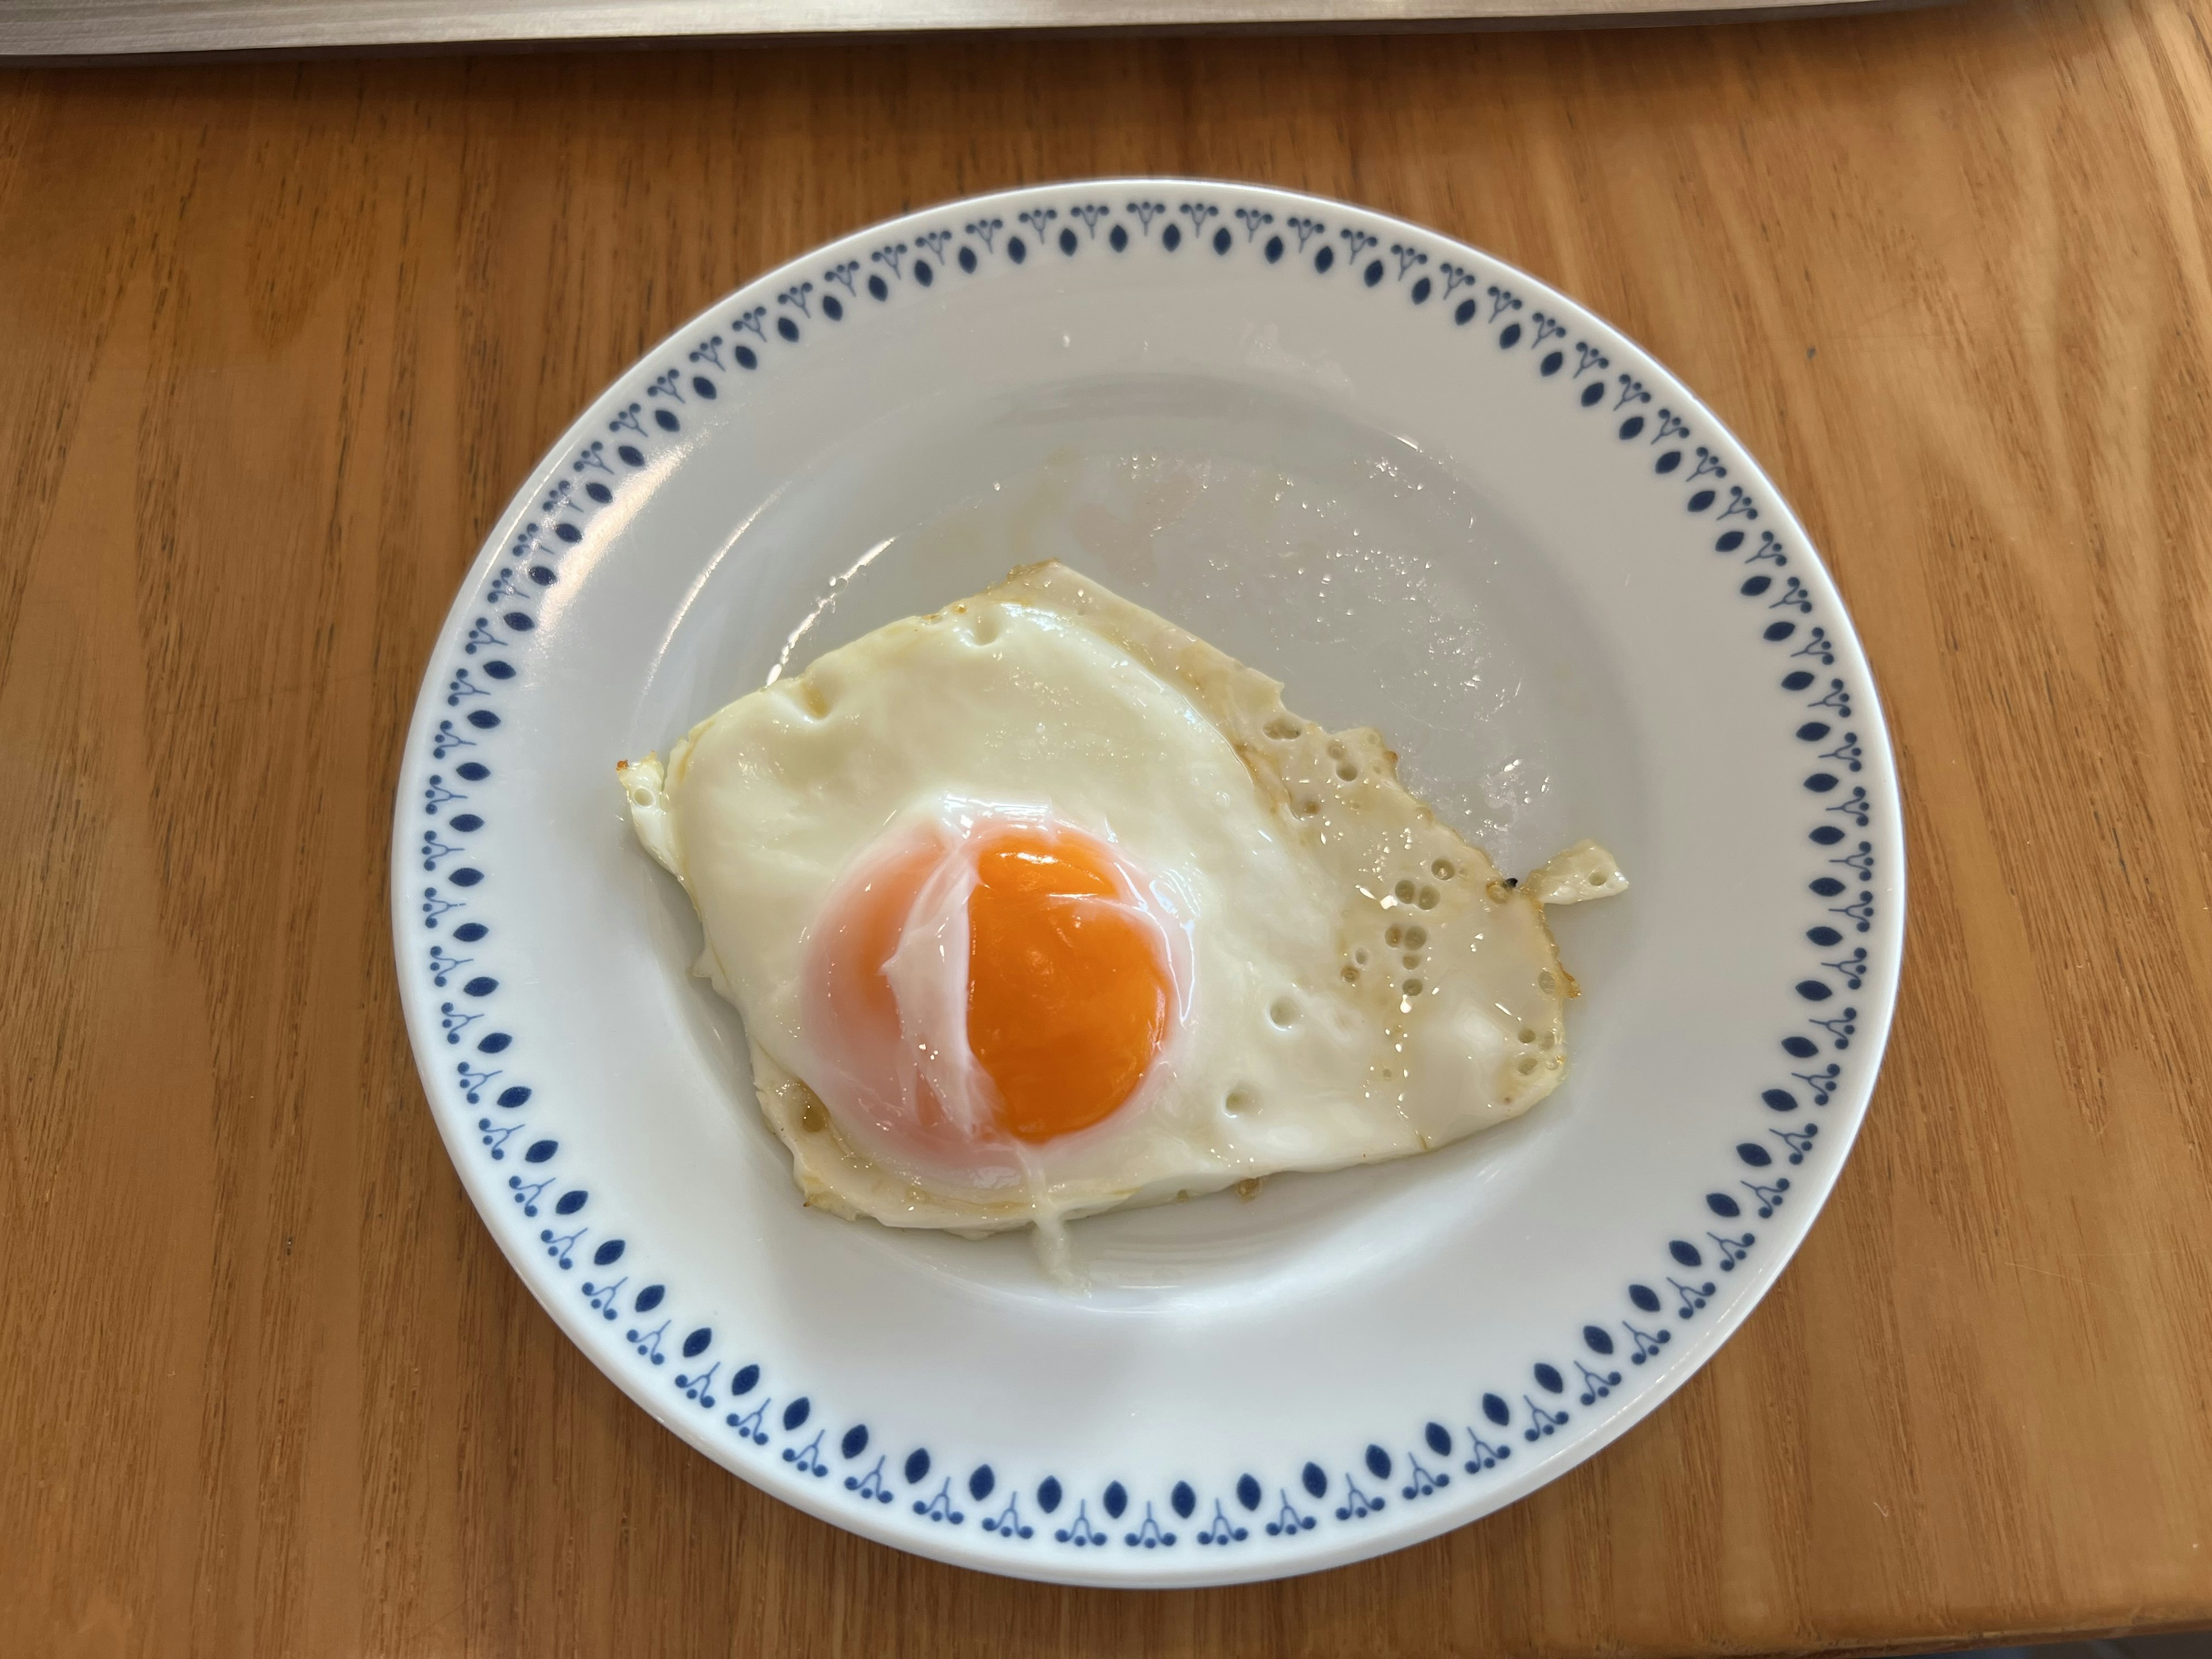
[{"x": 1040, "y": 905}]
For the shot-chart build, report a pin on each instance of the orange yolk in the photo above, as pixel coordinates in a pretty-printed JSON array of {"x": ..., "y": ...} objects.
[{"x": 1067, "y": 997}]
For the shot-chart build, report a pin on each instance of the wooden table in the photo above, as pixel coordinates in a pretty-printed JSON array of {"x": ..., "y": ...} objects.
[{"x": 276, "y": 341}]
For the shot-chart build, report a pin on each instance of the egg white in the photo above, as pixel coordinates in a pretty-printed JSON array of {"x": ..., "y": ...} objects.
[{"x": 1362, "y": 984}]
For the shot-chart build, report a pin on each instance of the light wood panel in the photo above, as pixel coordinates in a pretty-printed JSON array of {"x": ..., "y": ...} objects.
[{"x": 277, "y": 340}]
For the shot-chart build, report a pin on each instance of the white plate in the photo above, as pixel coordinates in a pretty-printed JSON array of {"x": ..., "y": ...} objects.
[{"x": 1430, "y": 494}]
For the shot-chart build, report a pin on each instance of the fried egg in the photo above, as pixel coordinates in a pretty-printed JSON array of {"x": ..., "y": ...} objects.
[{"x": 1039, "y": 906}]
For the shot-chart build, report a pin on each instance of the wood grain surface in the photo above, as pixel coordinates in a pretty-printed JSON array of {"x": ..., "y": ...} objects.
[{"x": 277, "y": 340}]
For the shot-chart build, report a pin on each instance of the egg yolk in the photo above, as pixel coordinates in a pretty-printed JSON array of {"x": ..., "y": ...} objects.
[
  {"x": 864, "y": 931},
  {"x": 1068, "y": 998},
  {"x": 1067, "y": 993}
]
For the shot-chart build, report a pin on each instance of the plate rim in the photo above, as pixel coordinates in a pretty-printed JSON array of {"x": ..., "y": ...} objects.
[{"x": 1150, "y": 1569}]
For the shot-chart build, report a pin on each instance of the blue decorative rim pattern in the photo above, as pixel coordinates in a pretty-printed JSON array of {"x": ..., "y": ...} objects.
[{"x": 449, "y": 941}]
